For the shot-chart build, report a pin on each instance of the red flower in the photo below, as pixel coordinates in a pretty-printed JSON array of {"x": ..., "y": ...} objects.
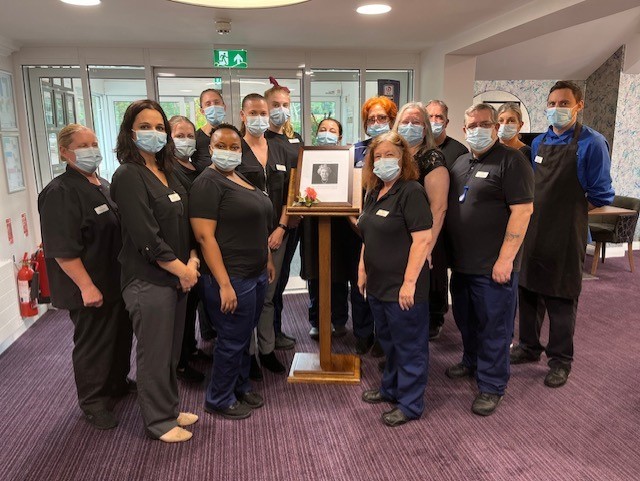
[{"x": 311, "y": 193}]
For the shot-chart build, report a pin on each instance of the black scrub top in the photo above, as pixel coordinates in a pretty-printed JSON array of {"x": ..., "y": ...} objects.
[
  {"x": 79, "y": 220},
  {"x": 475, "y": 228},
  {"x": 291, "y": 146},
  {"x": 452, "y": 149},
  {"x": 386, "y": 226},
  {"x": 272, "y": 179},
  {"x": 185, "y": 176},
  {"x": 201, "y": 158},
  {"x": 242, "y": 222},
  {"x": 428, "y": 161},
  {"x": 155, "y": 223}
]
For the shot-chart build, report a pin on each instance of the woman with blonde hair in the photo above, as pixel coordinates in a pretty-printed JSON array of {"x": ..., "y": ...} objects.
[{"x": 510, "y": 120}]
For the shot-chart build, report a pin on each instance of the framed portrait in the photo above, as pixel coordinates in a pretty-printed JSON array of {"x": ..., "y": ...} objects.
[
  {"x": 325, "y": 182},
  {"x": 7, "y": 108},
  {"x": 12, "y": 163}
]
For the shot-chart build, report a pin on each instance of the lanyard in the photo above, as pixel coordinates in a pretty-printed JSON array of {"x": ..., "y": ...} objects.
[{"x": 475, "y": 163}]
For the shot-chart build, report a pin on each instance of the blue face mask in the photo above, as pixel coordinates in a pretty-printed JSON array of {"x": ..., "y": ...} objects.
[
  {"x": 226, "y": 160},
  {"x": 151, "y": 141},
  {"x": 215, "y": 114},
  {"x": 185, "y": 147},
  {"x": 507, "y": 131},
  {"x": 279, "y": 116},
  {"x": 377, "y": 129},
  {"x": 437, "y": 128},
  {"x": 257, "y": 125},
  {"x": 412, "y": 133},
  {"x": 559, "y": 117},
  {"x": 386, "y": 169},
  {"x": 327, "y": 138},
  {"x": 480, "y": 138},
  {"x": 88, "y": 159}
]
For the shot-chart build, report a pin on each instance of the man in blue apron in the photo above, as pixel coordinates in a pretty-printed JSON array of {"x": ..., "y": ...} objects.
[{"x": 572, "y": 174}]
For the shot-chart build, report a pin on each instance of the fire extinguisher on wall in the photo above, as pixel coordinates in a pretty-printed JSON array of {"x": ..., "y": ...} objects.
[
  {"x": 44, "y": 294},
  {"x": 27, "y": 289}
]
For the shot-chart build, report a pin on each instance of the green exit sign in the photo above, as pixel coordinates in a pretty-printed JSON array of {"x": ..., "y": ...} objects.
[{"x": 230, "y": 58}]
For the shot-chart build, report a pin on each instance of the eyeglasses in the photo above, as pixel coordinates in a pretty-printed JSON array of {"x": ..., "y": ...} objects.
[
  {"x": 484, "y": 125},
  {"x": 381, "y": 119}
]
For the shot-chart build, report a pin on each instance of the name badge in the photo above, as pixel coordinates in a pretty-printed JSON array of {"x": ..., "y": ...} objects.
[
  {"x": 101, "y": 209},
  {"x": 281, "y": 168},
  {"x": 538, "y": 159},
  {"x": 482, "y": 174},
  {"x": 174, "y": 197},
  {"x": 382, "y": 213},
  {"x": 295, "y": 140}
]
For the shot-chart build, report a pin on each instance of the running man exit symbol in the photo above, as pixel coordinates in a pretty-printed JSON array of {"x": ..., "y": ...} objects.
[{"x": 230, "y": 58}]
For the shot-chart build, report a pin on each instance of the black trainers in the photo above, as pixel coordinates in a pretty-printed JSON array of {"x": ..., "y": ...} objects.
[
  {"x": 189, "y": 374},
  {"x": 394, "y": 418},
  {"x": 284, "y": 343},
  {"x": 520, "y": 355},
  {"x": 314, "y": 333},
  {"x": 374, "y": 396},
  {"x": 255, "y": 373},
  {"x": 251, "y": 399},
  {"x": 101, "y": 419},
  {"x": 556, "y": 377},
  {"x": 340, "y": 331},
  {"x": 270, "y": 362},
  {"x": 238, "y": 410},
  {"x": 458, "y": 371},
  {"x": 434, "y": 331},
  {"x": 364, "y": 344},
  {"x": 485, "y": 403},
  {"x": 376, "y": 349},
  {"x": 129, "y": 386}
]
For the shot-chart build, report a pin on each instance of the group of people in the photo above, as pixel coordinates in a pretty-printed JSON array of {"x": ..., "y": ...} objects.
[{"x": 198, "y": 218}]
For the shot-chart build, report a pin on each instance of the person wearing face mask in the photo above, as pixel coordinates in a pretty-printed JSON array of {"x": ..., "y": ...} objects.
[
  {"x": 394, "y": 276},
  {"x": 439, "y": 118},
  {"x": 213, "y": 108},
  {"x": 265, "y": 165},
  {"x": 510, "y": 119},
  {"x": 158, "y": 266},
  {"x": 231, "y": 220},
  {"x": 80, "y": 229},
  {"x": 280, "y": 129},
  {"x": 378, "y": 115},
  {"x": 572, "y": 176},
  {"x": 413, "y": 124},
  {"x": 490, "y": 203}
]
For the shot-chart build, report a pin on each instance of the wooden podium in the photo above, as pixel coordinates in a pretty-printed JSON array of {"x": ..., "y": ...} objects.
[{"x": 325, "y": 367}]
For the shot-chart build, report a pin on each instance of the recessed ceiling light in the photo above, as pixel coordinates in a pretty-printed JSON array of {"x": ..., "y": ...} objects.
[
  {"x": 186, "y": 91},
  {"x": 241, "y": 3},
  {"x": 374, "y": 9},
  {"x": 82, "y": 3}
]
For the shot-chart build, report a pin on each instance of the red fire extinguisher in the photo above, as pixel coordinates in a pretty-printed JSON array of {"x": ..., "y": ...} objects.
[
  {"x": 26, "y": 284},
  {"x": 44, "y": 294}
]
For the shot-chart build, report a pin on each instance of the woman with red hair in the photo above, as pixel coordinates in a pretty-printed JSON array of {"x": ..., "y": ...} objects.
[{"x": 378, "y": 116}]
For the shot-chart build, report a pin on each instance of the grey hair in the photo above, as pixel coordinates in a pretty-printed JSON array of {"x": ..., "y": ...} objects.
[
  {"x": 428, "y": 142},
  {"x": 441, "y": 104},
  {"x": 479, "y": 108},
  {"x": 514, "y": 107}
]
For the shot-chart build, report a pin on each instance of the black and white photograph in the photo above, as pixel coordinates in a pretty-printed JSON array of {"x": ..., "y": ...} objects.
[
  {"x": 324, "y": 174},
  {"x": 328, "y": 171}
]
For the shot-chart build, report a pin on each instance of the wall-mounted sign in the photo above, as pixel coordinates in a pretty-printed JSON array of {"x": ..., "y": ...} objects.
[
  {"x": 25, "y": 225},
  {"x": 230, "y": 58},
  {"x": 9, "y": 231}
]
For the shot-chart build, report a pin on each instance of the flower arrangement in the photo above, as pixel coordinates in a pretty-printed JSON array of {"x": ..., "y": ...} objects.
[{"x": 309, "y": 198}]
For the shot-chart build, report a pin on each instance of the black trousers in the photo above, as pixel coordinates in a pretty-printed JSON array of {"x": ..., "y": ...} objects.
[
  {"x": 438, "y": 285},
  {"x": 293, "y": 238},
  {"x": 189, "y": 342},
  {"x": 339, "y": 306},
  {"x": 101, "y": 353},
  {"x": 562, "y": 323}
]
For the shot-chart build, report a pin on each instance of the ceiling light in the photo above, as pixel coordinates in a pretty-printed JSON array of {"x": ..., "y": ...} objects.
[
  {"x": 82, "y": 3},
  {"x": 375, "y": 9},
  {"x": 241, "y": 3},
  {"x": 186, "y": 91}
]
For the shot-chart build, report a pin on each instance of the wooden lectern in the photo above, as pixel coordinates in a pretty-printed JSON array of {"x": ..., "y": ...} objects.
[{"x": 325, "y": 367}]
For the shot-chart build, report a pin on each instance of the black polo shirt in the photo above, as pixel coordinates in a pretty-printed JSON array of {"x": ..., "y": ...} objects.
[
  {"x": 386, "y": 226},
  {"x": 243, "y": 219},
  {"x": 452, "y": 149},
  {"x": 291, "y": 146},
  {"x": 427, "y": 161},
  {"x": 79, "y": 220},
  {"x": 272, "y": 179},
  {"x": 475, "y": 228},
  {"x": 155, "y": 223},
  {"x": 201, "y": 158}
]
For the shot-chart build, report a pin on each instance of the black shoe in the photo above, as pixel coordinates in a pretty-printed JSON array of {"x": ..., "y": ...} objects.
[
  {"x": 395, "y": 418},
  {"x": 314, "y": 333},
  {"x": 376, "y": 349},
  {"x": 284, "y": 343},
  {"x": 251, "y": 398},
  {"x": 381, "y": 365},
  {"x": 238, "y": 410},
  {"x": 255, "y": 373},
  {"x": 189, "y": 374},
  {"x": 485, "y": 403},
  {"x": 434, "y": 331},
  {"x": 374, "y": 396},
  {"x": 340, "y": 331},
  {"x": 270, "y": 362},
  {"x": 200, "y": 355},
  {"x": 101, "y": 419},
  {"x": 363, "y": 344},
  {"x": 287, "y": 336},
  {"x": 557, "y": 377},
  {"x": 459, "y": 371},
  {"x": 520, "y": 355},
  {"x": 128, "y": 387}
]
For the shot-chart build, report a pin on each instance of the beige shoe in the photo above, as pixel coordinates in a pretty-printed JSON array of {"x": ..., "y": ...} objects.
[
  {"x": 176, "y": 435},
  {"x": 187, "y": 419}
]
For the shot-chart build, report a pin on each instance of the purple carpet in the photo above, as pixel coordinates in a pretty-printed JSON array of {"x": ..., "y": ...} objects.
[{"x": 587, "y": 430}]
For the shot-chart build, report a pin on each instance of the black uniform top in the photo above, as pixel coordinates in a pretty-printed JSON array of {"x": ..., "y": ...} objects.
[
  {"x": 79, "y": 220},
  {"x": 526, "y": 150},
  {"x": 452, "y": 149},
  {"x": 243, "y": 219},
  {"x": 386, "y": 226},
  {"x": 201, "y": 158},
  {"x": 291, "y": 146},
  {"x": 184, "y": 175},
  {"x": 155, "y": 223},
  {"x": 428, "y": 161},
  {"x": 272, "y": 179},
  {"x": 475, "y": 228}
]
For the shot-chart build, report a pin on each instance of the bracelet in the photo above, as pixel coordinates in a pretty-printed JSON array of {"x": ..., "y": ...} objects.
[{"x": 284, "y": 227}]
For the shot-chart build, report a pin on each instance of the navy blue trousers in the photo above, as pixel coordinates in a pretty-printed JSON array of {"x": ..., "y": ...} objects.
[
  {"x": 484, "y": 312},
  {"x": 404, "y": 338},
  {"x": 231, "y": 358}
]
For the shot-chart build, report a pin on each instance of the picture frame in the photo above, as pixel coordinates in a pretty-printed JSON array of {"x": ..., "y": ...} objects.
[
  {"x": 330, "y": 172},
  {"x": 8, "y": 119},
  {"x": 10, "y": 150}
]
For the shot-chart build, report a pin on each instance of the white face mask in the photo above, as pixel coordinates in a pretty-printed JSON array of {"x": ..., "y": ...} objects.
[
  {"x": 185, "y": 147},
  {"x": 507, "y": 131},
  {"x": 480, "y": 138}
]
